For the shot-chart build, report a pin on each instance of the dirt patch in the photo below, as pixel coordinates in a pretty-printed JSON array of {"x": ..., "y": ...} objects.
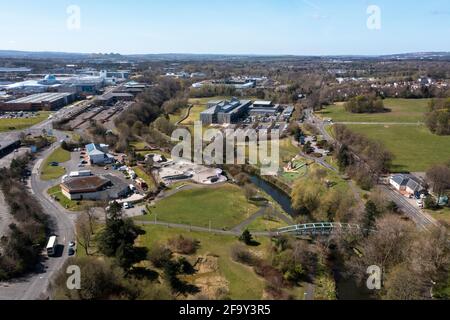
[{"x": 212, "y": 285}]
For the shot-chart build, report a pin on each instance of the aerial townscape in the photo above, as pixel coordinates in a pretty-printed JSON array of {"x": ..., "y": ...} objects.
[{"x": 94, "y": 174}]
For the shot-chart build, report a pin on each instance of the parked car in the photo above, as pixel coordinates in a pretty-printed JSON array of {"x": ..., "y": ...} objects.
[{"x": 127, "y": 205}]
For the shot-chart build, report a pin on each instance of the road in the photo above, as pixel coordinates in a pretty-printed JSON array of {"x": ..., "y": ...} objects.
[
  {"x": 34, "y": 286},
  {"x": 422, "y": 220}
]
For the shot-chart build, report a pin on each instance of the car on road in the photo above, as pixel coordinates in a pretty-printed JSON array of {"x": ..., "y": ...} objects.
[
  {"x": 72, "y": 244},
  {"x": 54, "y": 164}
]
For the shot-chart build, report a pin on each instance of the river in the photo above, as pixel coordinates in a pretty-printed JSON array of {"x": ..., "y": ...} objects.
[
  {"x": 279, "y": 196},
  {"x": 346, "y": 289}
]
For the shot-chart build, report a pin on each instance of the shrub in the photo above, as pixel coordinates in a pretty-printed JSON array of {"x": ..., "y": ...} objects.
[{"x": 182, "y": 245}]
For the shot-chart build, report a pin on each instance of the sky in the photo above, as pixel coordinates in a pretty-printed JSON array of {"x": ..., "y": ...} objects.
[{"x": 269, "y": 27}]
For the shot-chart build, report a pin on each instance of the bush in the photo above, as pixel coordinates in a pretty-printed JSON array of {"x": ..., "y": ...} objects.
[
  {"x": 242, "y": 255},
  {"x": 182, "y": 245}
]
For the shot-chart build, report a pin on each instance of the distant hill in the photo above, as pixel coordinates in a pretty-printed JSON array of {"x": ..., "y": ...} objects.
[{"x": 211, "y": 57}]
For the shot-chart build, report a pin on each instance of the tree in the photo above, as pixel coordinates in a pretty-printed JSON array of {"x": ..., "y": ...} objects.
[
  {"x": 343, "y": 158},
  {"x": 118, "y": 238},
  {"x": 84, "y": 232},
  {"x": 370, "y": 214},
  {"x": 439, "y": 178},
  {"x": 100, "y": 280},
  {"x": 246, "y": 237}
]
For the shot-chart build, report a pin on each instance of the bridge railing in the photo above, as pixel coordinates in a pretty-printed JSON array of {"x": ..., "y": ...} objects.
[{"x": 318, "y": 227}]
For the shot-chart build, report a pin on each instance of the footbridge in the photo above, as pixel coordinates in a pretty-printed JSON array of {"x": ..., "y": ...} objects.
[{"x": 320, "y": 228}]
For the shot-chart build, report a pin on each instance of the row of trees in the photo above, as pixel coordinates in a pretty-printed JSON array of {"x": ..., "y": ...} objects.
[
  {"x": 21, "y": 246},
  {"x": 364, "y": 104},
  {"x": 362, "y": 158},
  {"x": 412, "y": 261},
  {"x": 438, "y": 119}
]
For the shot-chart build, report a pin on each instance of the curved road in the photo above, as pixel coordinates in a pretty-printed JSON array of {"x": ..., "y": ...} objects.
[{"x": 34, "y": 286}]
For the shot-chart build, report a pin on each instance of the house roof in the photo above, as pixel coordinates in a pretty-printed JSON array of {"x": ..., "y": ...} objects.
[
  {"x": 400, "y": 179},
  {"x": 85, "y": 184},
  {"x": 413, "y": 185}
]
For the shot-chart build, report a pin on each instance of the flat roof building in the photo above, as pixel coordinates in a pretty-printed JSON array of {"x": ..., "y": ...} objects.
[
  {"x": 40, "y": 101},
  {"x": 263, "y": 108},
  {"x": 224, "y": 112}
]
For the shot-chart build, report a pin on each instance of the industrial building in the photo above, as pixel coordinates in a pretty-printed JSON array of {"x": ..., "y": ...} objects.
[
  {"x": 40, "y": 101},
  {"x": 98, "y": 154},
  {"x": 225, "y": 112},
  {"x": 263, "y": 108},
  {"x": 94, "y": 188}
]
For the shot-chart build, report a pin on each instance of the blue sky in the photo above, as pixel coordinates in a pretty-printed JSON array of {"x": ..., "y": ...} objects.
[{"x": 303, "y": 27}]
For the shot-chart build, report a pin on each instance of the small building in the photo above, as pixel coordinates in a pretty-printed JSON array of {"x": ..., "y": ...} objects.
[
  {"x": 406, "y": 184},
  {"x": 98, "y": 154},
  {"x": 94, "y": 188},
  {"x": 399, "y": 182}
]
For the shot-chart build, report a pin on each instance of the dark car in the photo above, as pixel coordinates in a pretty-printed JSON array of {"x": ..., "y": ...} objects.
[{"x": 71, "y": 252}]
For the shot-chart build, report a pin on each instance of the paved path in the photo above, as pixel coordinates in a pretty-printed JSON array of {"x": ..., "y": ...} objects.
[{"x": 203, "y": 229}]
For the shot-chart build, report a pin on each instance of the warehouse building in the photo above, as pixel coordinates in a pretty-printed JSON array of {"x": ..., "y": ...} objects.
[
  {"x": 98, "y": 154},
  {"x": 225, "y": 112},
  {"x": 40, "y": 101}
]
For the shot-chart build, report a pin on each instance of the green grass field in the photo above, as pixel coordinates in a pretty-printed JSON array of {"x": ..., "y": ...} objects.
[
  {"x": 20, "y": 124},
  {"x": 402, "y": 110},
  {"x": 415, "y": 148},
  {"x": 49, "y": 172},
  {"x": 243, "y": 283},
  {"x": 225, "y": 206}
]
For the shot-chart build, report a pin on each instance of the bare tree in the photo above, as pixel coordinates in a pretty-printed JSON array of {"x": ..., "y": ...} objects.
[{"x": 84, "y": 231}]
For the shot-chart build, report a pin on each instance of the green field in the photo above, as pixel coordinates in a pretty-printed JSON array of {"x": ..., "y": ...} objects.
[
  {"x": 49, "y": 172},
  {"x": 20, "y": 124},
  {"x": 243, "y": 283},
  {"x": 402, "y": 111},
  {"x": 265, "y": 223},
  {"x": 415, "y": 148},
  {"x": 225, "y": 206}
]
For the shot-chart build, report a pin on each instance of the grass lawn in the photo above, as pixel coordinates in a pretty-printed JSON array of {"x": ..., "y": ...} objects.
[
  {"x": 49, "y": 172},
  {"x": 442, "y": 215},
  {"x": 225, "y": 206},
  {"x": 20, "y": 124},
  {"x": 266, "y": 223},
  {"x": 243, "y": 283},
  {"x": 402, "y": 110},
  {"x": 141, "y": 174},
  {"x": 415, "y": 148},
  {"x": 67, "y": 203}
]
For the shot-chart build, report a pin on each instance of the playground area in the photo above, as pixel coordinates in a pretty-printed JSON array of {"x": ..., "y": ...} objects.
[{"x": 296, "y": 168}]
